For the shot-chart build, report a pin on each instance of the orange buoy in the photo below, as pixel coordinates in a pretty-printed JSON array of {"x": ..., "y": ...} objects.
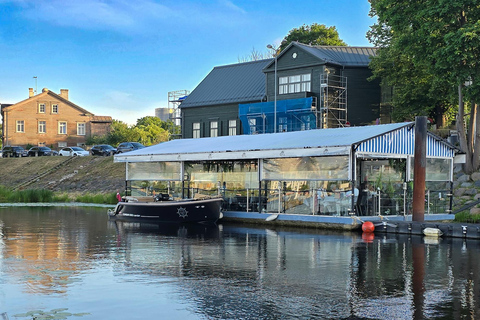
[
  {"x": 368, "y": 227},
  {"x": 368, "y": 237}
]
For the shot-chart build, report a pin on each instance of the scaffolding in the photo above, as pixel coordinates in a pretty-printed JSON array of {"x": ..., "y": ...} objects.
[
  {"x": 175, "y": 98},
  {"x": 333, "y": 101}
]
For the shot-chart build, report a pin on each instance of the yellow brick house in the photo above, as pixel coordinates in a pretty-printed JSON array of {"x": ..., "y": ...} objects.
[{"x": 50, "y": 119}]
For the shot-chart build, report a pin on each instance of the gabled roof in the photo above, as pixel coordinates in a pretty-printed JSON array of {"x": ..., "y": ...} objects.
[
  {"x": 235, "y": 83},
  {"x": 43, "y": 94},
  {"x": 377, "y": 139},
  {"x": 340, "y": 55},
  {"x": 101, "y": 119}
]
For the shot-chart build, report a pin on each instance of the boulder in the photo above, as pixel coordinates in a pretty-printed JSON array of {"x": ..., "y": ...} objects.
[
  {"x": 459, "y": 192},
  {"x": 466, "y": 185},
  {"x": 463, "y": 178},
  {"x": 475, "y": 176},
  {"x": 474, "y": 210},
  {"x": 471, "y": 192}
]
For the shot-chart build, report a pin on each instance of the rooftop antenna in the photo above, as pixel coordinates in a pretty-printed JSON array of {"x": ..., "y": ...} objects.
[{"x": 35, "y": 84}]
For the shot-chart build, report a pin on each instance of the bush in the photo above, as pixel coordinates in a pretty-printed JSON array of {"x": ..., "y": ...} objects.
[
  {"x": 98, "y": 198},
  {"x": 26, "y": 196},
  {"x": 466, "y": 217}
]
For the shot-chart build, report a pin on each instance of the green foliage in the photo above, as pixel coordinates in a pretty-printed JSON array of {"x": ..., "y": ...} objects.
[
  {"x": 466, "y": 217},
  {"x": 98, "y": 198},
  {"x": 429, "y": 50},
  {"x": 148, "y": 131},
  {"x": 315, "y": 34},
  {"x": 25, "y": 196},
  {"x": 60, "y": 313}
]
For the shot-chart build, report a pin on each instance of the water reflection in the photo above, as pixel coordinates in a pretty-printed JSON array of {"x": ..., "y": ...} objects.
[{"x": 76, "y": 258}]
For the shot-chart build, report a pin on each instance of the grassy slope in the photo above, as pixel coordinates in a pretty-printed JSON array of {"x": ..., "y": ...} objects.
[{"x": 83, "y": 174}]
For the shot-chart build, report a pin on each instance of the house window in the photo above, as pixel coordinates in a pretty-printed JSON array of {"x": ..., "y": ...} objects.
[
  {"x": 253, "y": 125},
  {"x": 232, "y": 127},
  {"x": 214, "y": 129},
  {"x": 294, "y": 84},
  {"x": 41, "y": 108},
  {"x": 282, "y": 125},
  {"x": 196, "y": 130},
  {"x": 20, "y": 126},
  {"x": 42, "y": 126},
  {"x": 62, "y": 127},
  {"x": 305, "y": 123},
  {"x": 62, "y": 144},
  {"x": 54, "y": 108},
  {"x": 80, "y": 129}
]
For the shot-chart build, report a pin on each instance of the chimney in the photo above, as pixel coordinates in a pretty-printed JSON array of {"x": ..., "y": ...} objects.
[
  {"x": 64, "y": 93},
  {"x": 30, "y": 92}
]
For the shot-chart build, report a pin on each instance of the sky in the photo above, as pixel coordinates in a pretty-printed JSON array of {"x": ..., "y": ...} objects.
[{"x": 120, "y": 58}]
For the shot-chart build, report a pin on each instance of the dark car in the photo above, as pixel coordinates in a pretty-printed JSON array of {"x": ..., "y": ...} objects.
[
  {"x": 13, "y": 151},
  {"x": 103, "y": 150},
  {"x": 40, "y": 151},
  {"x": 129, "y": 146}
]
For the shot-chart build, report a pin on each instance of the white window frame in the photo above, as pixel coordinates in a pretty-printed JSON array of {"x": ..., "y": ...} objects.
[
  {"x": 213, "y": 128},
  {"x": 232, "y": 127},
  {"x": 20, "y": 124},
  {"x": 294, "y": 84},
  {"x": 81, "y": 128},
  {"x": 62, "y": 127},
  {"x": 41, "y": 108},
  {"x": 196, "y": 130},
  {"x": 42, "y": 126},
  {"x": 55, "y": 108}
]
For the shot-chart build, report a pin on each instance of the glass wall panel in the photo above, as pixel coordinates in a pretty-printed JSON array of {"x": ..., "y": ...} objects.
[
  {"x": 318, "y": 197},
  {"x": 236, "y": 181},
  {"x": 383, "y": 190},
  {"x": 153, "y": 171},
  {"x": 436, "y": 169},
  {"x": 306, "y": 168},
  {"x": 382, "y": 187}
]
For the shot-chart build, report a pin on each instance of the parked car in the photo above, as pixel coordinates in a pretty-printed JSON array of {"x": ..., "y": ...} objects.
[
  {"x": 129, "y": 146},
  {"x": 103, "y": 150},
  {"x": 73, "y": 152},
  {"x": 13, "y": 151},
  {"x": 40, "y": 151}
]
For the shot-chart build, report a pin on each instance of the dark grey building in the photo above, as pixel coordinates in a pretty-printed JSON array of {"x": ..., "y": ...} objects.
[{"x": 305, "y": 87}]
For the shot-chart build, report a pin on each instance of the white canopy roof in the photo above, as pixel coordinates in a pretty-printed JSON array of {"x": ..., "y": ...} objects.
[{"x": 319, "y": 142}]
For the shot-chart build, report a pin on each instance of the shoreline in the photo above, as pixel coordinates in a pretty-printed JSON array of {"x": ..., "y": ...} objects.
[{"x": 56, "y": 204}]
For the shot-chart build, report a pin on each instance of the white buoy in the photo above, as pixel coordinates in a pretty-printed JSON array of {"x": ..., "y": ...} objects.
[
  {"x": 272, "y": 217},
  {"x": 432, "y": 232}
]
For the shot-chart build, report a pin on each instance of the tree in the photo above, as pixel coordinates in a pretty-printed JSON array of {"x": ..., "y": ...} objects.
[
  {"x": 255, "y": 55},
  {"x": 441, "y": 41},
  {"x": 315, "y": 34}
]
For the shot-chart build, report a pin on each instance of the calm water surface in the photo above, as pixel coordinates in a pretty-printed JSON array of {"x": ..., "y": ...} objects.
[{"x": 60, "y": 257}]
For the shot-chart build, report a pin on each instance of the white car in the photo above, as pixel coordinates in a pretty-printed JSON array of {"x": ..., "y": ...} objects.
[{"x": 73, "y": 152}]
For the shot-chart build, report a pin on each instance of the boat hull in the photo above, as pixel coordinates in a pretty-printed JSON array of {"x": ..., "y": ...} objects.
[{"x": 194, "y": 211}]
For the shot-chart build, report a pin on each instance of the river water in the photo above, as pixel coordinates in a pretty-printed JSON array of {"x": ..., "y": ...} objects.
[{"x": 72, "y": 263}]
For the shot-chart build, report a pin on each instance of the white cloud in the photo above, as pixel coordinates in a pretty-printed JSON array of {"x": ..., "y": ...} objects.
[
  {"x": 117, "y": 15},
  {"x": 129, "y": 17},
  {"x": 230, "y": 5}
]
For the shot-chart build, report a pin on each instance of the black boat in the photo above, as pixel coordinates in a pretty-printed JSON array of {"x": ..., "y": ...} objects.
[{"x": 169, "y": 211}]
